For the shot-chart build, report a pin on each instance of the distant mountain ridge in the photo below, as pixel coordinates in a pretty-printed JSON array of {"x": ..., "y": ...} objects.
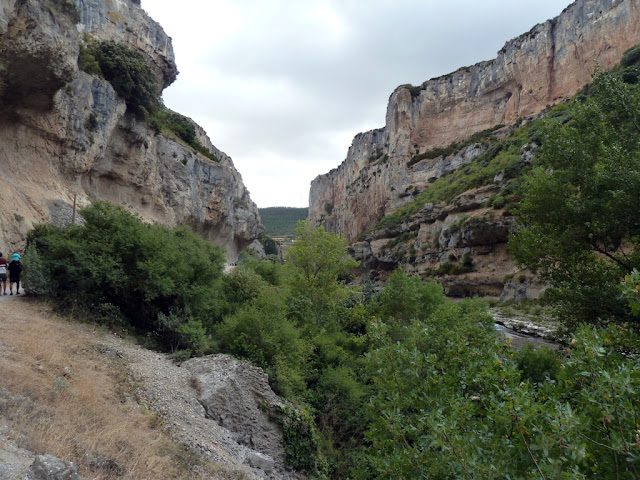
[{"x": 282, "y": 221}]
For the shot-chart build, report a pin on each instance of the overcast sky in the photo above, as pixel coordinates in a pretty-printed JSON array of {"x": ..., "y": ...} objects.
[{"x": 283, "y": 86}]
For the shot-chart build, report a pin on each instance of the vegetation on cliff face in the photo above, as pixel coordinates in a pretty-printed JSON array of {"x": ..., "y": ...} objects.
[
  {"x": 126, "y": 70},
  {"x": 132, "y": 78}
]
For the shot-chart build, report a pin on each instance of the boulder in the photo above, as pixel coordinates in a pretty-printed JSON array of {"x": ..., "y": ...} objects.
[
  {"x": 236, "y": 395},
  {"x": 48, "y": 467}
]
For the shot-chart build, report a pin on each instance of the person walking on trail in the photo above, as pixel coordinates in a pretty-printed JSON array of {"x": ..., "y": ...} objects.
[
  {"x": 15, "y": 267},
  {"x": 3, "y": 274}
]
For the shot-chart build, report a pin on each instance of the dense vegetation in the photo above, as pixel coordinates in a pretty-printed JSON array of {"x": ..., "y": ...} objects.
[
  {"x": 282, "y": 221},
  {"x": 398, "y": 383},
  {"x": 579, "y": 218}
]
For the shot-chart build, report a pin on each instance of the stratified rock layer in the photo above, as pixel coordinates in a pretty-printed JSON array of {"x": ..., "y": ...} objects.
[{"x": 64, "y": 132}]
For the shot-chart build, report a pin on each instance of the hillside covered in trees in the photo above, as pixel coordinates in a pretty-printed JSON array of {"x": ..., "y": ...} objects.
[{"x": 282, "y": 221}]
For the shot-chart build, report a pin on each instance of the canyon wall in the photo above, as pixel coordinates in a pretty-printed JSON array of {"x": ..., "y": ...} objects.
[
  {"x": 548, "y": 64},
  {"x": 383, "y": 170},
  {"x": 65, "y": 133}
]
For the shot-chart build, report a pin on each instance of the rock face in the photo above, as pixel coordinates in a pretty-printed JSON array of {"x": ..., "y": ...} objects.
[
  {"x": 64, "y": 132},
  {"x": 548, "y": 64},
  {"x": 237, "y": 396},
  {"x": 47, "y": 467}
]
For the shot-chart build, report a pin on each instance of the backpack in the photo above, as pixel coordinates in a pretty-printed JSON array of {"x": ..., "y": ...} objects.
[{"x": 15, "y": 267}]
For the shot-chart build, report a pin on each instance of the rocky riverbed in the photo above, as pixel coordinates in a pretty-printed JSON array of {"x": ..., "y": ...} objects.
[{"x": 522, "y": 329}]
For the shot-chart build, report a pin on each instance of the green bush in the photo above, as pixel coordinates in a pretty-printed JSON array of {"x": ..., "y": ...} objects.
[
  {"x": 165, "y": 120},
  {"x": 269, "y": 270},
  {"x": 126, "y": 70},
  {"x": 35, "y": 275},
  {"x": 300, "y": 440},
  {"x": 407, "y": 298},
  {"x": 262, "y": 333},
  {"x": 538, "y": 364},
  {"x": 142, "y": 270},
  {"x": 631, "y": 57},
  {"x": 87, "y": 61}
]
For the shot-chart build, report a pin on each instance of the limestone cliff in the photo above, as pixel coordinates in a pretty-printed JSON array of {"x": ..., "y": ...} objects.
[
  {"x": 548, "y": 64},
  {"x": 64, "y": 132}
]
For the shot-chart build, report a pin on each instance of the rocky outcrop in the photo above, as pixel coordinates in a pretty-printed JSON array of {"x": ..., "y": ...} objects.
[
  {"x": 384, "y": 168},
  {"x": 65, "y": 133},
  {"x": 125, "y": 22},
  {"x": 237, "y": 396},
  {"x": 17, "y": 463}
]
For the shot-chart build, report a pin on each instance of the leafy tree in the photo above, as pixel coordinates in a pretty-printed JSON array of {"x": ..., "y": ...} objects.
[
  {"x": 261, "y": 332},
  {"x": 317, "y": 261},
  {"x": 579, "y": 219},
  {"x": 407, "y": 298},
  {"x": 450, "y": 402}
]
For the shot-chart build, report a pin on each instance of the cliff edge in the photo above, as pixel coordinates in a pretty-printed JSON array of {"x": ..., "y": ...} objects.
[{"x": 443, "y": 126}]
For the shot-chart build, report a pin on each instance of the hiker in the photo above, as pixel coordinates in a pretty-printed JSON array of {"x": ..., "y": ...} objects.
[
  {"x": 15, "y": 267},
  {"x": 3, "y": 274}
]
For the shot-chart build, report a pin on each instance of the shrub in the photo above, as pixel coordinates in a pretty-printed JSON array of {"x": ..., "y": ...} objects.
[
  {"x": 631, "y": 57},
  {"x": 141, "y": 270},
  {"x": 126, "y": 70},
  {"x": 182, "y": 127},
  {"x": 300, "y": 439},
  {"x": 538, "y": 364},
  {"x": 405, "y": 298},
  {"x": 87, "y": 61},
  {"x": 262, "y": 333}
]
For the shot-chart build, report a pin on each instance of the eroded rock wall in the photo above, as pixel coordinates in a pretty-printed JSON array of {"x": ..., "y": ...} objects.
[
  {"x": 542, "y": 67},
  {"x": 64, "y": 132}
]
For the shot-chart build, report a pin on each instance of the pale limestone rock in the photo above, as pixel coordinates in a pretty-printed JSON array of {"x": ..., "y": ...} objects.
[
  {"x": 80, "y": 140},
  {"x": 542, "y": 67},
  {"x": 548, "y": 64}
]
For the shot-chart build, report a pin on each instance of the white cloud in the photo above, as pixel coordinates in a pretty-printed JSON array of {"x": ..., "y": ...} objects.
[{"x": 283, "y": 86}]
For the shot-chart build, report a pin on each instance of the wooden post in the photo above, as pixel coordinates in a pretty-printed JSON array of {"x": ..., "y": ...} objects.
[{"x": 73, "y": 215}]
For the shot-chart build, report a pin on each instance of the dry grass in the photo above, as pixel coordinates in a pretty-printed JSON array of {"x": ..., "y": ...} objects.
[{"x": 76, "y": 407}]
